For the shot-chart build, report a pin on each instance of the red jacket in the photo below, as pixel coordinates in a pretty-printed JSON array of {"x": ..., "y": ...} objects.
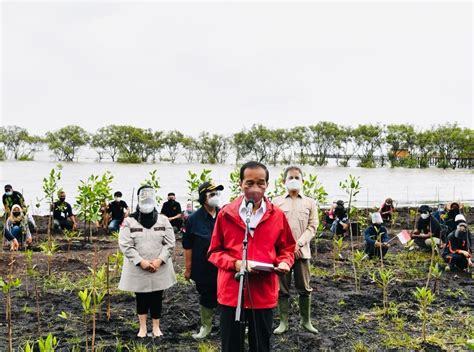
[{"x": 272, "y": 242}]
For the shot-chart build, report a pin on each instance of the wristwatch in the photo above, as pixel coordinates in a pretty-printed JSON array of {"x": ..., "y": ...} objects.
[{"x": 300, "y": 244}]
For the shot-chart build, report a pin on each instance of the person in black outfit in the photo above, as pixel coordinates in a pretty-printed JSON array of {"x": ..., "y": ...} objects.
[
  {"x": 10, "y": 198},
  {"x": 172, "y": 210},
  {"x": 196, "y": 241},
  {"x": 376, "y": 237},
  {"x": 458, "y": 252},
  {"x": 341, "y": 221},
  {"x": 454, "y": 209},
  {"x": 118, "y": 210},
  {"x": 62, "y": 213},
  {"x": 427, "y": 227}
]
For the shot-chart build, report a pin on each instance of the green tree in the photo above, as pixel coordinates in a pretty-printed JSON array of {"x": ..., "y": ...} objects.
[
  {"x": 324, "y": 138},
  {"x": 107, "y": 142},
  {"x": 425, "y": 146},
  {"x": 66, "y": 142},
  {"x": 17, "y": 142},
  {"x": 254, "y": 142},
  {"x": 347, "y": 147},
  {"x": 369, "y": 138},
  {"x": 301, "y": 139},
  {"x": 172, "y": 142},
  {"x": 213, "y": 148},
  {"x": 135, "y": 144},
  {"x": 279, "y": 140},
  {"x": 400, "y": 137}
]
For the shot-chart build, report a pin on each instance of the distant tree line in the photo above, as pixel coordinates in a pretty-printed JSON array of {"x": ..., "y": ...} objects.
[{"x": 446, "y": 146}]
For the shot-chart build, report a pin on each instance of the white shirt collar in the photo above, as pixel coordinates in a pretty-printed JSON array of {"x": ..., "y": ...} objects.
[{"x": 255, "y": 217}]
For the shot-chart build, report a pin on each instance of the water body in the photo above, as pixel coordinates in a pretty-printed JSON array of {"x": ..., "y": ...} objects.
[{"x": 405, "y": 186}]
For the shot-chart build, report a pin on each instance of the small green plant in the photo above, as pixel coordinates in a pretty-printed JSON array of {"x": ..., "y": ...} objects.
[
  {"x": 383, "y": 277},
  {"x": 278, "y": 187},
  {"x": 234, "y": 180},
  {"x": 425, "y": 298},
  {"x": 194, "y": 180},
  {"x": 50, "y": 189},
  {"x": 70, "y": 236},
  {"x": 338, "y": 246},
  {"x": 153, "y": 181},
  {"x": 49, "y": 248},
  {"x": 6, "y": 287},
  {"x": 360, "y": 260},
  {"x": 314, "y": 189},
  {"x": 436, "y": 273},
  {"x": 352, "y": 187},
  {"x": 48, "y": 344}
]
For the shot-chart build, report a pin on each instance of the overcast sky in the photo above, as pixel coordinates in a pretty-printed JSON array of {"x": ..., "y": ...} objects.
[{"x": 220, "y": 67}]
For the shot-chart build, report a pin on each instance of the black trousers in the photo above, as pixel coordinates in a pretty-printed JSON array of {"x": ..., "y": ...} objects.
[
  {"x": 207, "y": 294},
  {"x": 149, "y": 302},
  {"x": 260, "y": 329}
]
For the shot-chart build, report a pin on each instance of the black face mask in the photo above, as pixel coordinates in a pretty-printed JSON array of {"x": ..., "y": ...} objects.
[
  {"x": 62, "y": 199},
  {"x": 16, "y": 214}
]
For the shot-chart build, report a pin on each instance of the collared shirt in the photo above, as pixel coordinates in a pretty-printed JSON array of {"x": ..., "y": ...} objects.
[
  {"x": 255, "y": 217},
  {"x": 302, "y": 215}
]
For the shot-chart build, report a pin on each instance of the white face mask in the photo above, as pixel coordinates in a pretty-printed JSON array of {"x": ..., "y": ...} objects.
[
  {"x": 146, "y": 200},
  {"x": 293, "y": 185},
  {"x": 425, "y": 216},
  {"x": 118, "y": 199},
  {"x": 214, "y": 202}
]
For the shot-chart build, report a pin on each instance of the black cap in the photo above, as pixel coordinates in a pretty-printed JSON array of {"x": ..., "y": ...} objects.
[
  {"x": 340, "y": 203},
  {"x": 171, "y": 194},
  {"x": 8, "y": 187},
  {"x": 424, "y": 209},
  {"x": 209, "y": 186}
]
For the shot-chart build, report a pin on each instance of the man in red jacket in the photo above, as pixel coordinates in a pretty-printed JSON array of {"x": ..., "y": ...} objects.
[{"x": 270, "y": 241}]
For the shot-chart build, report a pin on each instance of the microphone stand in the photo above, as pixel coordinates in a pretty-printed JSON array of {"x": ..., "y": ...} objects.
[{"x": 241, "y": 276}]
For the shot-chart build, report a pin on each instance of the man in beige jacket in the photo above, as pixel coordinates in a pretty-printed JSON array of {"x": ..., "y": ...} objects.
[{"x": 302, "y": 215}]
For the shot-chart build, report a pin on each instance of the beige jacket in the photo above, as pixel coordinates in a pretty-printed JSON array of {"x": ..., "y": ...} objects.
[
  {"x": 138, "y": 243},
  {"x": 302, "y": 215}
]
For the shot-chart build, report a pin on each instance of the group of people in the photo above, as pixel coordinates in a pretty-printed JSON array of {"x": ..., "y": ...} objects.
[{"x": 278, "y": 239}]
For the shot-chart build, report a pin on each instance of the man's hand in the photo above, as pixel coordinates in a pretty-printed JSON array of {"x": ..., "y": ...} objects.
[
  {"x": 386, "y": 245},
  {"x": 29, "y": 240},
  {"x": 377, "y": 244},
  {"x": 147, "y": 266},
  {"x": 283, "y": 268},
  {"x": 238, "y": 265},
  {"x": 298, "y": 253},
  {"x": 14, "y": 245},
  {"x": 156, "y": 263},
  {"x": 74, "y": 226},
  {"x": 187, "y": 274}
]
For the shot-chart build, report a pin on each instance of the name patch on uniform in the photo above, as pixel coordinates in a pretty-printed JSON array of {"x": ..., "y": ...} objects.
[
  {"x": 159, "y": 228},
  {"x": 132, "y": 230}
]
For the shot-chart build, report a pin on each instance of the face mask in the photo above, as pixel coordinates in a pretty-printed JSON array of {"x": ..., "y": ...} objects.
[
  {"x": 146, "y": 200},
  {"x": 293, "y": 185},
  {"x": 388, "y": 204},
  {"x": 213, "y": 202},
  {"x": 62, "y": 199},
  {"x": 118, "y": 199},
  {"x": 425, "y": 216},
  {"x": 9, "y": 193}
]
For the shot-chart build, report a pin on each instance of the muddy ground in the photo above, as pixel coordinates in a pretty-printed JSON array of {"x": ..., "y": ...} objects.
[{"x": 346, "y": 319}]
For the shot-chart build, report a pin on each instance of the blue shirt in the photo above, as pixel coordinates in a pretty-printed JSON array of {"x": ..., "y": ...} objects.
[
  {"x": 197, "y": 237},
  {"x": 372, "y": 234}
]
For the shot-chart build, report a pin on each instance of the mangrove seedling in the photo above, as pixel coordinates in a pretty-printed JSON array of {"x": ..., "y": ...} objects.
[
  {"x": 7, "y": 287},
  {"x": 436, "y": 273},
  {"x": 70, "y": 236},
  {"x": 48, "y": 344},
  {"x": 424, "y": 298},
  {"x": 49, "y": 248},
  {"x": 338, "y": 246},
  {"x": 360, "y": 259},
  {"x": 50, "y": 189},
  {"x": 314, "y": 189},
  {"x": 383, "y": 277},
  {"x": 194, "y": 180},
  {"x": 352, "y": 187},
  {"x": 234, "y": 179},
  {"x": 154, "y": 182}
]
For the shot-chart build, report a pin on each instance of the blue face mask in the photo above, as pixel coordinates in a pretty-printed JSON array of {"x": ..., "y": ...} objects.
[{"x": 9, "y": 193}]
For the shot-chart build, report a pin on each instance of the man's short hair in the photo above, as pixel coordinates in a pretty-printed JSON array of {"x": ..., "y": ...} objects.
[
  {"x": 118, "y": 194},
  {"x": 292, "y": 167},
  {"x": 171, "y": 194},
  {"x": 253, "y": 165}
]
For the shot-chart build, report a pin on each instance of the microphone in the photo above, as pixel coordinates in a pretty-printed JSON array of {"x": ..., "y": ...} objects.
[{"x": 249, "y": 206}]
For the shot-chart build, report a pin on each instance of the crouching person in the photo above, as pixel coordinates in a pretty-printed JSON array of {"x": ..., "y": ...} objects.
[
  {"x": 427, "y": 229},
  {"x": 376, "y": 237},
  {"x": 17, "y": 231},
  {"x": 458, "y": 253},
  {"x": 147, "y": 241}
]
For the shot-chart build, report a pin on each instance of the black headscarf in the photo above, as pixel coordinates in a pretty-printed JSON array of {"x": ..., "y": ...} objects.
[{"x": 146, "y": 220}]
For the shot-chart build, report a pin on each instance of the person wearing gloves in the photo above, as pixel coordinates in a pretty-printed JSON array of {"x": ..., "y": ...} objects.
[
  {"x": 302, "y": 215},
  {"x": 196, "y": 241},
  {"x": 17, "y": 230},
  {"x": 427, "y": 228},
  {"x": 376, "y": 237},
  {"x": 147, "y": 241},
  {"x": 458, "y": 251}
]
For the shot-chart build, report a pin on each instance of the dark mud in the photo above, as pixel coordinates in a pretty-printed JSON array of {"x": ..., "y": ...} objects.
[{"x": 346, "y": 319}]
